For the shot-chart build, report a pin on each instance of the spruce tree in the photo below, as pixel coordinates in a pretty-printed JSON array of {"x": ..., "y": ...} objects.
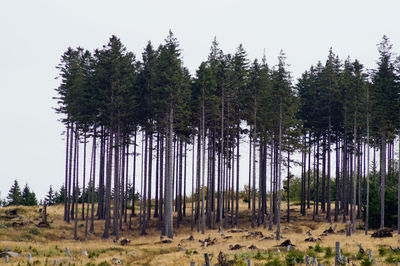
[
  {"x": 14, "y": 195},
  {"x": 29, "y": 197},
  {"x": 50, "y": 197}
]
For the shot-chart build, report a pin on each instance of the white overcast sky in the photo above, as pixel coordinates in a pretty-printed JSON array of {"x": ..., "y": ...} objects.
[{"x": 34, "y": 34}]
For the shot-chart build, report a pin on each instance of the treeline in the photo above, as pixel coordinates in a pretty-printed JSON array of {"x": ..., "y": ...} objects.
[
  {"x": 153, "y": 112},
  {"x": 27, "y": 197}
]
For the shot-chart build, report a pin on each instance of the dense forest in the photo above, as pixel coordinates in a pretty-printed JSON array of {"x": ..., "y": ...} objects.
[{"x": 339, "y": 118}]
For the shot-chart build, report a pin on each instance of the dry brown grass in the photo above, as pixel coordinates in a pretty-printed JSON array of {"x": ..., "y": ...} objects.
[{"x": 48, "y": 244}]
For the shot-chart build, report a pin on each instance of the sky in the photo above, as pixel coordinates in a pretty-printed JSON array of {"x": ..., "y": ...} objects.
[{"x": 34, "y": 35}]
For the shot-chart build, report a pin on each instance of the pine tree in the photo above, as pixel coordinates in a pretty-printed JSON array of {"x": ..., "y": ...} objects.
[
  {"x": 28, "y": 197},
  {"x": 384, "y": 108},
  {"x": 50, "y": 197},
  {"x": 14, "y": 195}
]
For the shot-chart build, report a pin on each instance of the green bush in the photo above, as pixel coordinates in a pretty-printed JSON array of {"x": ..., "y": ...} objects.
[
  {"x": 274, "y": 262},
  {"x": 294, "y": 256},
  {"x": 318, "y": 248},
  {"x": 393, "y": 259},
  {"x": 382, "y": 251},
  {"x": 329, "y": 252},
  {"x": 366, "y": 262}
]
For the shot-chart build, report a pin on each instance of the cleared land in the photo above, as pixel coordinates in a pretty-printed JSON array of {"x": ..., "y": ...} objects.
[{"x": 49, "y": 244}]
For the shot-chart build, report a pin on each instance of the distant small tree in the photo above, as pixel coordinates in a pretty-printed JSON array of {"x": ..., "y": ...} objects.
[
  {"x": 14, "y": 195},
  {"x": 28, "y": 197},
  {"x": 50, "y": 197},
  {"x": 59, "y": 195}
]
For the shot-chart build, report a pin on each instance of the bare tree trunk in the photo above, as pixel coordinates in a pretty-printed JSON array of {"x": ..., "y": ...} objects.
[
  {"x": 179, "y": 182},
  {"x": 150, "y": 176},
  {"x": 367, "y": 197},
  {"x": 90, "y": 191},
  {"x": 116, "y": 185},
  {"x": 144, "y": 201},
  {"x": 126, "y": 181},
  {"x": 288, "y": 188},
  {"x": 76, "y": 190},
  {"x": 68, "y": 189},
  {"x": 382, "y": 158},
  {"x": 157, "y": 175},
  {"x": 222, "y": 167},
  {"x": 66, "y": 172},
  {"x": 192, "y": 220},
  {"x": 160, "y": 217},
  {"x": 107, "y": 204},
  {"x": 168, "y": 181},
  {"x": 337, "y": 181},
  {"x": 100, "y": 205},
  {"x": 329, "y": 171},
  {"x": 250, "y": 151},
  {"x": 198, "y": 177},
  {"x": 398, "y": 192},
  {"x": 309, "y": 172},
  {"x": 278, "y": 222},
  {"x": 323, "y": 176},
  {"x": 353, "y": 203},
  {"x": 253, "y": 212},
  {"x": 93, "y": 183},
  {"x": 134, "y": 175},
  {"x": 303, "y": 178},
  {"x": 237, "y": 177},
  {"x": 270, "y": 184},
  {"x": 84, "y": 178},
  {"x": 184, "y": 182},
  {"x": 203, "y": 170}
]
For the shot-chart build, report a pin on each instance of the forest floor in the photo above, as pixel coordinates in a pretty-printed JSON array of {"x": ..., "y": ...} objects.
[{"x": 20, "y": 234}]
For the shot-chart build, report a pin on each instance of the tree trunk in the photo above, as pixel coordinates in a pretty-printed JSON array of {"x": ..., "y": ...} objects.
[
  {"x": 93, "y": 183},
  {"x": 253, "y": 211},
  {"x": 288, "y": 188},
  {"x": 192, "y": 220},
  {"x": 309, "y": 172},
  {"x": 278, "y": 223},
  {"x": 100, "y": 205},
  {"x": 329, "y": 172},
  {"x": 108, "y": 187},
  {"x": 250, "y": 151},
  {"x": 66, "y": 172},
  {"x": 144, "y": 195},
  {"x": 168, "y": 181},
  {"x": 68, "y": 189},
  {"x": 157, "y": 176},
  {"x": 184, "y": 182},
  {"x": 84, "y": 178},
  {"x": 237, "y": 177},
  {"x": 76, "y": 174},
  {"x": 337, "y": 181},
  {"x": 270, "y": 185},
  {"x": 150, "y": 175},
  {"x": 367, "y": 196},
  {"x": 116, "y": 185},
  {"x": 203, "y": 170},
  {"x": 353, "y": 203},
  {"x": 382, "y": 158}
]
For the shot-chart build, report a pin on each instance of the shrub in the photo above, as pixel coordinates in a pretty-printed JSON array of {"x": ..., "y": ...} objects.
[
  {"x": 294, "y": 256},
  {"x": 366, "y": 262},
  {"x": 382, "y": 251},
  {"x": 318, "y": 248},
  {"x": 329, "y": 252}
]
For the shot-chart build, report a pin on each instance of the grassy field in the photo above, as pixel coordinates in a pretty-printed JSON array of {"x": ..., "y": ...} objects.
[{"x": 47, "y": 245}]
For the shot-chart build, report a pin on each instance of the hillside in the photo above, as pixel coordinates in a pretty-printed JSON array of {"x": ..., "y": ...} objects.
[{"x": 20, "y": 234}]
